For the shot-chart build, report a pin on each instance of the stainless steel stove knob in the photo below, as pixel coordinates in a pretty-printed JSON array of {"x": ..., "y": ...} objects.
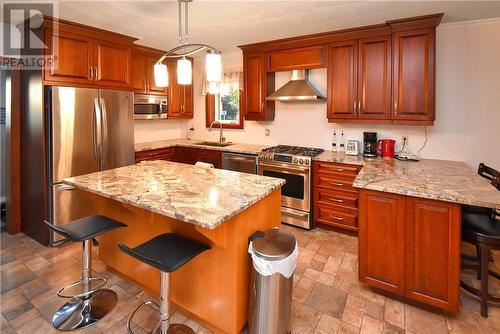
[
  {"x": 295, "y": 160},
  {"x": 301, "y": 161},
  {"x": 307, "y": 162}
]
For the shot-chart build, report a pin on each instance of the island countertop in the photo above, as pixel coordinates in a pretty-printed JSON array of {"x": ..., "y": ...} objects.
[
  {"x": 449, "y": 181},
  {"x": 203, "y": 197}
]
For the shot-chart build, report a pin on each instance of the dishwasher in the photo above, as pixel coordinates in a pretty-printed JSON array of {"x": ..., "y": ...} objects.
[{"x": 244, "y": 163}]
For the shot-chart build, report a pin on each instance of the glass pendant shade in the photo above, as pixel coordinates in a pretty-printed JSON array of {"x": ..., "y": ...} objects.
[
  {"x": 161, "y": 75},
  {"x": 213, "y": 65},
  {"x": 184, "y": 72}
]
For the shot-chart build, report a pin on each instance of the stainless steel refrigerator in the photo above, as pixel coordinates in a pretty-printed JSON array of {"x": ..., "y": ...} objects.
[{"x": 90, "y": 130}]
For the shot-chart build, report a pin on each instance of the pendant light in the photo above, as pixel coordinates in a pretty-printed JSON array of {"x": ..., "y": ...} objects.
[{"x": 213, "y": 61}]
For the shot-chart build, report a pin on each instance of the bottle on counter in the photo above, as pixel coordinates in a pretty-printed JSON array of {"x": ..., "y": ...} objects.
[
  {"x": 334, "y": 141},
  {"x": 342, "y": 142}
]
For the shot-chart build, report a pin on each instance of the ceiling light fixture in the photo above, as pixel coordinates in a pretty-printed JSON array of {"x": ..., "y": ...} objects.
[{"x": 213, "y": 63}]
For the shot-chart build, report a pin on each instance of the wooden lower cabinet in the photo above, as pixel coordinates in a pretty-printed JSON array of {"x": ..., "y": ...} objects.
[
  {"x": 186, "y": 155},
  {"x": 410, "y": 247},
  {"x": 335, "y": 200}
]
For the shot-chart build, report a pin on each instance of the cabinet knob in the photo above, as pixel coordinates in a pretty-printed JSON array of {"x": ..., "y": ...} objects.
[
  {"x": 395, "y": 107},
  {"x": 91, "y": 70},
  {"x": 262, "y": 106}
]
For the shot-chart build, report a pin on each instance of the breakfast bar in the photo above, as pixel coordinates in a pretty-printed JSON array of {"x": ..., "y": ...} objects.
[{"x": 216, "y": 207}]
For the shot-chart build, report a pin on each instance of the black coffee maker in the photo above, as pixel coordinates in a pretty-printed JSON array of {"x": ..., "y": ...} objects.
[{"x": 370, "y": 144}]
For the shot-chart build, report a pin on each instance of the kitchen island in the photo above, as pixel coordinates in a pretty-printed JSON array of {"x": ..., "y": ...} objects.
[{"x": 217, "y": 207}]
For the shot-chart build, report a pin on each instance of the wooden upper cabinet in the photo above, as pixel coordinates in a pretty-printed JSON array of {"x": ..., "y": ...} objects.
[
  {"x": 374, "y": 78},
  {"x": 414, "y": 76},
  {"x": 342, "y": 80},
  {"x": 433, "y": 241},
  {"x": 381, "y": 240},
  {"x": 139, "y": 73},
  {"x": 299, "y": 58},
  {"x": 73, "y": 57},
  {"x": 112, "y": 64},
  {"x": 258, "y": 84},
  {"x": 180, "y": 97}
]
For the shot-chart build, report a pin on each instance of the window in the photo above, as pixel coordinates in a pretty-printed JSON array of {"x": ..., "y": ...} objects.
[{"x": 225, "y": 104}]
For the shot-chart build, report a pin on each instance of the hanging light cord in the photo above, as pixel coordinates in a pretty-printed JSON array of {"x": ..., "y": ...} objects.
[{"x": 425, "y": 141}]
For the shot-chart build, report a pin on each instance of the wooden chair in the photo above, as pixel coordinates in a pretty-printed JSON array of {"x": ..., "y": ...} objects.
[{"x": 481, "y": 227}]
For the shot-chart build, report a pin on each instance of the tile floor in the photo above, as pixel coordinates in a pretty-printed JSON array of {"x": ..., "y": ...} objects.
[{"x": 327, "y": 296}]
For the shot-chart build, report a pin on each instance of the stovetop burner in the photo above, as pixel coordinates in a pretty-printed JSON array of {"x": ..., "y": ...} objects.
[{"x": 295, "y": 150}]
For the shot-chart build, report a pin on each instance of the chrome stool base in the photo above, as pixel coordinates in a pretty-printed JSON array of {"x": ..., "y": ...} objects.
[
  {"x": 180, "y": 329},
  {"x": 80, "y": 313}
]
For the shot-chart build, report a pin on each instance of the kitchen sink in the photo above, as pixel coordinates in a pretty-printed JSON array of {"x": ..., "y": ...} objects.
[{"x": 213, "y": 143}]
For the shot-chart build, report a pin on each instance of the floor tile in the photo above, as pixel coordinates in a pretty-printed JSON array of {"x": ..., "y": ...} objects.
[
  {"x": 394, "y": 313},
  {"x": 328, "y": 300},
  {"x": 420, "y": 321},
  {"x": 319, "y": 277},
  {"x": 15, "y": 276},
  {"x": 304, "y": 318},
  {"x": 354, "y": 311},
  {"x": 372, "y": 325},
  {"x": 328, "y": 324},
  {"x": 303, "y": 289}
]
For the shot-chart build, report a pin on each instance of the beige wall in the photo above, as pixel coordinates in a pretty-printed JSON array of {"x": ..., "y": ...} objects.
[{"x": 467, "y": 126}]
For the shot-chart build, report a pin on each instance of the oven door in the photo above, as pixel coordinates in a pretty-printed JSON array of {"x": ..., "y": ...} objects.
[{"x": 295, "y": 193}]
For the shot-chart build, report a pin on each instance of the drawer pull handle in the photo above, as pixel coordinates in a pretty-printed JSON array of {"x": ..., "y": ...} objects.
[
  {"x": 339, "y": 169},
  {"x": 337, "y": 218},
  {"x": 337, "y": 184},
  {"x": 336, "y": 200}
]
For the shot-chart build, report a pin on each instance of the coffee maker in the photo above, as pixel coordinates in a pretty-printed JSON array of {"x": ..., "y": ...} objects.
[{"x": 370, "y": 144}]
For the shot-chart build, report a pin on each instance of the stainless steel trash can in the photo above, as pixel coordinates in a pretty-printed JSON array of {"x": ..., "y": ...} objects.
[{"x": 271, "y": 296}]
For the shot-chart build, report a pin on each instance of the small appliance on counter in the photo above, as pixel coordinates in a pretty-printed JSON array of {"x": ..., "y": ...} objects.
[
  {"x": 352, "y": 147},
  {"x": 370, "y": 144},
  {"x": 385, "y": 147}
]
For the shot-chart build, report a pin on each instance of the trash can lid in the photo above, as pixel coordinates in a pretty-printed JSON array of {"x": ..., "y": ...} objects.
[{"x": 276, "y": 244}]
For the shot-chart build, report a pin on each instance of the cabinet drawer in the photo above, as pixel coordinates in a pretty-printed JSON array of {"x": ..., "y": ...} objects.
[
  {"x": 339, "y": 218},
  {"x": 343, "y": 170},
  {"x": 300, "y": 58},
  {"x": 337, "y": 198},
  {"x": 335, "y": 183},
  {"x": 157, "y": 154}
]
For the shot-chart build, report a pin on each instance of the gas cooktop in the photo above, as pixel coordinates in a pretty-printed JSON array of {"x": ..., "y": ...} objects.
[{"x": 294, "y": 150}]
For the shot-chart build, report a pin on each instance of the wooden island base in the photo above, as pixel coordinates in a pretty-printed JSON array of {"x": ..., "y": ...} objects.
[{"x": 214, "y": 286}]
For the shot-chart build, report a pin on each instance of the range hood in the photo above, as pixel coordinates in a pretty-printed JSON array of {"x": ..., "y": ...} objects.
[{"x": 297, "y": 89}]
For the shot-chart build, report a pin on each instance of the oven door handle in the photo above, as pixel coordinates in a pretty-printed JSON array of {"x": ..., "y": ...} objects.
[
  {"x": 283, "y": 168},
  {"x": 294, "y": 212}
]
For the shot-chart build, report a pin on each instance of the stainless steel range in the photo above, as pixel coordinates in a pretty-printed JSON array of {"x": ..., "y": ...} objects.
[{"x": 293, "y": 164}]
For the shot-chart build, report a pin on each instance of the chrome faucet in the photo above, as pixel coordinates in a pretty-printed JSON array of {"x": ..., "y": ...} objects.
[{"x": 221, "y": 137}]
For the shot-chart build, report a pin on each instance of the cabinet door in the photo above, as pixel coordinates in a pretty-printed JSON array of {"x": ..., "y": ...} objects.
[
  {"x": 187, "y": 101},
  {"x": 381, "y": 240},
  {"x": 258, "y": 85},
  {"x": 374, "y": 80},
  {"x": 112, "y": 62},
  {"x": 342, "y": 80},
  {"x": 139, "y": 74},
  {"x": 174, "y": 91},
  {"x": 413, "y": 77},
  {"x": 73, "y": 57},
  {"x": 433, "y": 242},
  {"x": 152, "y": 88}
]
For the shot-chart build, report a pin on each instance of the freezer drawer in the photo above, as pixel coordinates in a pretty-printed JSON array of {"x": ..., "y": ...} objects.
[{"x": 68, "y": 203}]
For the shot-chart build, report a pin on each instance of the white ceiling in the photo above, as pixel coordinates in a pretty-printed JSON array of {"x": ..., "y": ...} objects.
[{"x": 226, "y": 24}]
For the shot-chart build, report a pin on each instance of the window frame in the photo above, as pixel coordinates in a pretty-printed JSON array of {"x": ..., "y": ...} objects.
[{"x": 210, "y": 112}]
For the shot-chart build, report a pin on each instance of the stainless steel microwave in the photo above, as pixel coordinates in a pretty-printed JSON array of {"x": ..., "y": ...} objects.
[{"x": 150, "y": 106}]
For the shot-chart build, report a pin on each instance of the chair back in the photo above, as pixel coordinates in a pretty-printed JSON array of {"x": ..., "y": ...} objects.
[{"x": 490, "y": 174}]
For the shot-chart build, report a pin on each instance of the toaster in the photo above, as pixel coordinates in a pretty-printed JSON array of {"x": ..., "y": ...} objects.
[{"x": 352, "y": 147}]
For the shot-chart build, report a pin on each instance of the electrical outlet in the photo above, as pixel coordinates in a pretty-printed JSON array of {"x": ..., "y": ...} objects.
[
  {"x": 405, "y": 140},
  {"x": 267, "y": 132}
]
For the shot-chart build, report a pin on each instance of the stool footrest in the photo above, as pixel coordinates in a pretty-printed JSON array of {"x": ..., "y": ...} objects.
[
  {"x": 154, "y": 306},
  {"x": 91, "y": 290}
]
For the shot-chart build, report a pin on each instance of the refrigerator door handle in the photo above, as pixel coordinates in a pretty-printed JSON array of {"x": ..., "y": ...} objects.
[
  {"x": 104, "y": 136},
  {"x": 98, "y": 132}
]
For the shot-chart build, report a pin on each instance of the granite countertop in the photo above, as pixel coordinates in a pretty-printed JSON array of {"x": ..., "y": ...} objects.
[
  {"x": 235, "y": 147},
  {"x": 341, "y": 158},
  {"x": 203, "y": 197},
  {"x": 450, "y": 181}
]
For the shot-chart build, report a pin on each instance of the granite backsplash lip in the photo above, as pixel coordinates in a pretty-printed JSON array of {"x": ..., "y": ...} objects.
[
  {"x": 234, "y": 147},
  {"x": 203, "y": 197},
  {"x": 449, "y": 181}
]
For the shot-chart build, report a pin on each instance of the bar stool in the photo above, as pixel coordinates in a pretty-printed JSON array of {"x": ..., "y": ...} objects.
[
  {"x": 91, "y": 303},
  {"x": 166, "y": 252},
  {"x": 481, "y": 227}
]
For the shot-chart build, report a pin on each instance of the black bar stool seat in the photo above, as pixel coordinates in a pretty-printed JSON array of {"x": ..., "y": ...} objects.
[
  {"x": 90, "y": 303},
  {"x": 481, "y": 223},
  {"x": 87, "y": 228},
  {"x": 166, "y": 252}
]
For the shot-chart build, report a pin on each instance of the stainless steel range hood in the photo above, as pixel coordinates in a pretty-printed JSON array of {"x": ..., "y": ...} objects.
[{"x": 297, "y": 89}]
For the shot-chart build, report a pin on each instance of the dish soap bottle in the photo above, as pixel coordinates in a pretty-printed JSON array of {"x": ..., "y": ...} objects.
[
  {"x": 334, "y": 141},
  {"x": 342, "y": 142}
]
